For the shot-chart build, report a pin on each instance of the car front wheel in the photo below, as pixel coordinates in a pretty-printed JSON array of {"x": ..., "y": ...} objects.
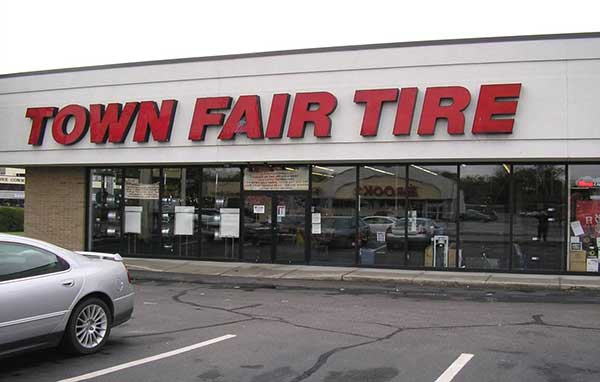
[{"x": 88, "y": 328}]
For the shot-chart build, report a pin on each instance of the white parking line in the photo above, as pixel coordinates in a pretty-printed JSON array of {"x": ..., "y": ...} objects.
[
  {"x": 453, "y": 369},
  {"x": 147, "y": 359}
]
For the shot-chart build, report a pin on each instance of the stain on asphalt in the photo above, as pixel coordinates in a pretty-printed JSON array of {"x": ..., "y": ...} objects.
[
  {"x": 252, "y": 366},
  {"x": 274, "y": 375},
  {"x": 210, "y": 375},
  {"x": 534, "y": 333},
  {"x": 505, "y": 364},
  {"x": 379, "y": 374},
  {"x": 512, "y": 352},
  {"x": 559, "y": 372}
]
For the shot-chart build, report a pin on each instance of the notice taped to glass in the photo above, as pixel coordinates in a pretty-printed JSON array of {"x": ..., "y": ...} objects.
[
  {"x": 276, "y": 179},
  {"x": 135, "y": 190}
]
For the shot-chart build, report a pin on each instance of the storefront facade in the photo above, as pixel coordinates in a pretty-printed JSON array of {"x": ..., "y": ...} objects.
[{"x": 468, "y": 155}]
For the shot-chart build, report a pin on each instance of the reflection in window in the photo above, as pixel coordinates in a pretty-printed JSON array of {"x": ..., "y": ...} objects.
[
  {"x": 538, "y": 222},
  {"x": 334, "y": 224},
  {"x": 180, "y": 211},
  {"x": 431, "y": 231},
  {"x": 584, "y": 230},
  {"x": 382, "y": 195},
  {"x": 484, "y": 216},
  {"x": 220, "y": 189},
  {"x": 106, "y": 198},
  {"x": 142, "y": 221}
]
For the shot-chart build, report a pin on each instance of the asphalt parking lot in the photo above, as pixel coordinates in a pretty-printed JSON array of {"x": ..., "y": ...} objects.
[{"x": 326, "y": 333}]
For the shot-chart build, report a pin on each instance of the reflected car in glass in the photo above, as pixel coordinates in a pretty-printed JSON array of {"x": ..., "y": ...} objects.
[
  {"x": 340, "y": 232},
  {"x": 474, "y": 215},
  {"x": 422, "y": 234},
  {"x": 379, "y": 223},
  {"x": 58, "y": 297}
]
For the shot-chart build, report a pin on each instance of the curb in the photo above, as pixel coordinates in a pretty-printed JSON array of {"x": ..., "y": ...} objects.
[{"x": 165, "y": 275}]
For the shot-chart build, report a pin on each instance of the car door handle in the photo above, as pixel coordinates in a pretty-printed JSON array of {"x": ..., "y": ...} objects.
[{"x": 68, "y": 283}]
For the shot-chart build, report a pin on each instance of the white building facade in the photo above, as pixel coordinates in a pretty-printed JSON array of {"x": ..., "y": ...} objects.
[{"x": 472, "y": 154}]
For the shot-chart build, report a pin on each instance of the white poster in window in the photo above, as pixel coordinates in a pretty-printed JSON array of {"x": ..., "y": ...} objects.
[
  {"x": 316, "y": 218},
  {"x": 316, "y": 229},
  {"x": 276, "y": 179},
  {"x": 381, "y": 237},
  {"x": 184, "y": 220},
  {"x": 133, "y": 219},
  {"x": 592, "y": 264},
  {"x": 280, "y": 211},
  {"x": 577, "y": 228},
  {"x": 135, "y": 190},
  {"x": 230, "y": 223},
  {"x": 412, "y": 221},
  {"x": 259, "y": 208}
]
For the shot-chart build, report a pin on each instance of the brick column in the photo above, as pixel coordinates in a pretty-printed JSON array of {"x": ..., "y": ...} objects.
[{"x": 55, "y": 205}]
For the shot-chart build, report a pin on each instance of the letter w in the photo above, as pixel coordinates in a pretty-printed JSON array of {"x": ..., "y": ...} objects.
[{"x": 112, "y": 123}]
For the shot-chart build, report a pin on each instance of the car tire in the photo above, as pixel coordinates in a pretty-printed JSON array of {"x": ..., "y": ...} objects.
[{"x": 88, "y": 328}]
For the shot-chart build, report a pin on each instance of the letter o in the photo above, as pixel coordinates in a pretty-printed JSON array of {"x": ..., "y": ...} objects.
[{"x": 59, "y": 126}]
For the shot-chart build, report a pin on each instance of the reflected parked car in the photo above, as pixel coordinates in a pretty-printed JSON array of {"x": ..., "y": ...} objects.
[
  {"x": 474, "y": 215},
  {"x": 51, "y": 296},
  {"x": 340, "y": 232},
  {"x": 379, "y": 223},
  {"x": 425, "y": 230}
]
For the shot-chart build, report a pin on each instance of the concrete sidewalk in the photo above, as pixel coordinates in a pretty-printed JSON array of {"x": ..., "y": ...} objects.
[{"x": 310, "y": 272}]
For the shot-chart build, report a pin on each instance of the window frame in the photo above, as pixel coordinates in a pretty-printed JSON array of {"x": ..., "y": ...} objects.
[{"x": 66, "y": 266}]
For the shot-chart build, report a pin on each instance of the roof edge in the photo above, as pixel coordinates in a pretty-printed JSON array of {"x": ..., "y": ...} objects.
[{"x": 342, "y": 48}]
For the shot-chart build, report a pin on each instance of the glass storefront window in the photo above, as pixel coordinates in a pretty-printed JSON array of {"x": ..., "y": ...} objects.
[
  {"x": 484, "y": 216},
  {"x": 382, "y": 196},
  {"x": 275, "y": 213},
  {"x": 584, "y": 218},
  {"x": 106, "y": 199},
  {"x": 431, "y": 232},
  {"x": 539, "y": 217},
  {"x": 143, "y": 223},
  {"x": 220, "y": 189},
  {"x": 180, "y": 206},
  {"x": 333, "y": 215}
]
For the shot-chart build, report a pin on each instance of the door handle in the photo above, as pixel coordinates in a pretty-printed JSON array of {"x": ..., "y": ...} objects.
[{"x": 68, "y": 283}]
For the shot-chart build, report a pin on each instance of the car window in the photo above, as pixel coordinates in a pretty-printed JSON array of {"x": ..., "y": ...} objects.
[{"x": 20, "y": 260}]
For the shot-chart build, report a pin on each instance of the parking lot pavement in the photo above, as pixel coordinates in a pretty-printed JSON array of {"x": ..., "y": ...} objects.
[{"x": 323, "y": 333}]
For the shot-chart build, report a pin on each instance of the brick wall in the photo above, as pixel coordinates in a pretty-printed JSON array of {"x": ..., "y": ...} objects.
[{"x": 55, "y": 205}]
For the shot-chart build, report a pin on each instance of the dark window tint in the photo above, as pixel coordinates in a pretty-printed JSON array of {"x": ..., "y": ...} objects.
[
  {"x": 19, "y": 261},
  {"x": 484, "y": 216}
]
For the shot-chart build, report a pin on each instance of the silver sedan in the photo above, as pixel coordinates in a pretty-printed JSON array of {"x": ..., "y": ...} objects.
[{"x": 51, "y": 296}]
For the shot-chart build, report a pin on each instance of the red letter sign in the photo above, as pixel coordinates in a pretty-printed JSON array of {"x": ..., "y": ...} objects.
[
  {"x": 312, "y": 108},
  {"x": 150, "y": 121},
  {"x": 204, "y": 118},
  {"x": 453, "y": 113},
  {"x": 277, "y": 115},
  {"x": 405, "y": 111},
  {"x": 59, "y": 126},
  {"x": 245, "y": 118},
  {"x": 489, "y": 105},
  {"x": 111, "y": 125},
  {"x": 373, "y": 100},
  {"x": 39, "y": 116}
]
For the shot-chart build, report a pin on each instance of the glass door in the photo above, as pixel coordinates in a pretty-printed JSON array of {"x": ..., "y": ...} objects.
[
  {"x": 290, "y": 228},
  {"x": 275, "y": 227},
  {"x": 258, "y": 228}
]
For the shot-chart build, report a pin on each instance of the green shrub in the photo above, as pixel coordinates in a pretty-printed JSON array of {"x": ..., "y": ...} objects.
[{"x": 11, "y": 219}]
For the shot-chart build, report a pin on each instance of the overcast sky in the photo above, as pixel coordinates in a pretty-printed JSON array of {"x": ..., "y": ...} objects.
[{"x": 51, "y": 34}]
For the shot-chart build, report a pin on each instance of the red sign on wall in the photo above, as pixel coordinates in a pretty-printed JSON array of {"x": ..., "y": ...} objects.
[
  {"x": 496, "y": 105},
  {"x": 587, "y": 212}
]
